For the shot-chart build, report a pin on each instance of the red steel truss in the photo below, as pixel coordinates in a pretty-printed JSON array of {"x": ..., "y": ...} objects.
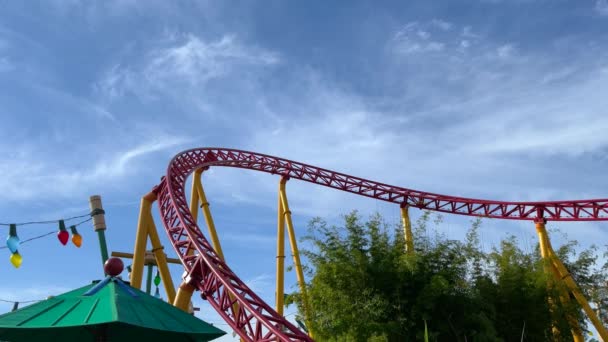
[{"x": 240, "y": 307}]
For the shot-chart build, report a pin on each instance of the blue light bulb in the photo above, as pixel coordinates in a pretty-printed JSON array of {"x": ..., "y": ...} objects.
[{"x": 12, "y": 242}]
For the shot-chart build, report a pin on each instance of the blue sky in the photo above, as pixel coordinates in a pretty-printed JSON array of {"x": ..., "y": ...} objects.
[{"x": 478, "y": 98}]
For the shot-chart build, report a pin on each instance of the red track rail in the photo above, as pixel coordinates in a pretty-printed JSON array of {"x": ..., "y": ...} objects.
[{"x": 252, "y": 318}]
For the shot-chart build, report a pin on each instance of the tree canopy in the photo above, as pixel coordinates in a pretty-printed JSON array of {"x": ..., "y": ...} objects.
[{"x": 364, "y": 287}]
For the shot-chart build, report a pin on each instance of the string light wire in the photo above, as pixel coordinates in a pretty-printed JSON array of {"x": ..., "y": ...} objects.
[
  {"x": 47, "y": 221},
  {"x": 20, "y": 301},
  {"x": 49, "y": 233}
]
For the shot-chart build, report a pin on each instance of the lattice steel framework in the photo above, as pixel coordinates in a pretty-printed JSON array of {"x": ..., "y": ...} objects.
[{"x": 251, "y": 317}]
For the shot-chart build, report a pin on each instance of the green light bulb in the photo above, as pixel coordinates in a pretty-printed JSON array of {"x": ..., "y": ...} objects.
[{"x": 157, "y": 279}]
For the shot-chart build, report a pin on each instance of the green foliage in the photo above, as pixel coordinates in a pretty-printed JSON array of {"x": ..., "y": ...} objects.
[{"x": 363, "y": 287}]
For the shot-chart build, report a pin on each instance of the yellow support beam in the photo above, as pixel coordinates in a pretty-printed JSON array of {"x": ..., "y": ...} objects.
[
  {"x": 562, "y": 277},
  {"x": 545, "y": 248},
  {"x": 139, "y": 251},
  {"x": 280, "y": 291},
  {"x": 184, "y": 295},
  {"x": 407, "y": 229},
  {"x": 580, "y": 297},
  {"x": 295, "y": 253},
  {"x": 185, "y": 291},
  {"x": 146, "y": 229},
  {"x": 161, "y": 260},
  {"x": 194, "y": 200},
  {"x": 197, "y": 186},
  {"x": 208, "y": 219}
]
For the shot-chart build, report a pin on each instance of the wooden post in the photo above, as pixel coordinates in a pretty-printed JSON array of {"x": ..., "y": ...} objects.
[{"x": 99, "y": 223}]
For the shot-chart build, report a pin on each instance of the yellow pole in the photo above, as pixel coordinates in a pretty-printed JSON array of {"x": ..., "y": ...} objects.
[
  {"x": 295, "y": 254},
  {"x": 161, "y": 260},
  {"x": 184, "y": 294},
  {"x": 194, "y": 200},
  {"x": 550, "y": 268},
  {"x": 407, "y": 229},
  {"x": 198, "y": 185},
  {"x": 208, "y": 219},
  {"x": 139, "y": 252},
  {"x": 574, "y": 289},
  {"x": 280, "y": 256},
  {"x": 185, "y": 291}
]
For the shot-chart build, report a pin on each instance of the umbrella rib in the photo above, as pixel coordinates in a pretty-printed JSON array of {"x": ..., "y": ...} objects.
[
  {"x": 40, "y": 313},
  {"x": 62, "y": 316},
  {"x": 90, "y": 314}
]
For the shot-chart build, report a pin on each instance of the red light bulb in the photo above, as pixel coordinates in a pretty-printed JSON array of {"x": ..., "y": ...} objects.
[{"x": 63, "y": 237}]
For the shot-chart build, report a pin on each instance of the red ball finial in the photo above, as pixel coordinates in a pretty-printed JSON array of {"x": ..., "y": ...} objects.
[{"x": 113, "y": 267}]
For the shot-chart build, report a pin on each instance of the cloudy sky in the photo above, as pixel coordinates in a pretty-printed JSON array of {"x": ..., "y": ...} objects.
[{"x": 477, "y": 98}]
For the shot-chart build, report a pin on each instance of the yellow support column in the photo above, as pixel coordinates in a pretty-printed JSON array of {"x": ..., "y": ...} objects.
[
  {"x": 295, "y": 253},
  {"x": 580, "y": 297},
  {"x": 208, "y": 219},
  {"x": 198, "y": 185},
  {"x": 547, "y": 254},
  {"x": 161, "y": 259},
  {"x": 185, "y": 291},
  {"x": 139, "y": 251},
  {"x": 407, "y": 229},
  {"x": 280, "y": 291},
  {"x": 194, "y": 200},
  {"x": 184, "y": 294}
]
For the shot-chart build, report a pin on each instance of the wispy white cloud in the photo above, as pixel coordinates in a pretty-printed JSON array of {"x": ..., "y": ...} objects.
[
  {"x": 601, "y": 6},
  {"x": 118, "y": 165},
  {"x": 417, "y": 38},
  {"x": 250, "y": 239},
  {"x": 502, "y": 93},
  {"x": 188, "y": 61},
  {"x": 506, "y": 51},
  {"x": 261, "y": 284},
  {"x": 454, "y": 110},
  {"x": 442, "y": 24},
  {"x": 5, "y": 64},
  {"x": 26, "y": 175}
]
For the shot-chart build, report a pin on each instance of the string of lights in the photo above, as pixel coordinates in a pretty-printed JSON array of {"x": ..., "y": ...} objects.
[{"x": 13, "y": 242}]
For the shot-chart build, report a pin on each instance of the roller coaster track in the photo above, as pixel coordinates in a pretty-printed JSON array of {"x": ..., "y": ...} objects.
[{"x": 238, "y": 305}]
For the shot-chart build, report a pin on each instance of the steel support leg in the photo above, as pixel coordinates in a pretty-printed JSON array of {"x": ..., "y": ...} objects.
[
  {"x": 208, "y": 218},
  {"x": 551, "y": 267},
  {"x": 407, "y": 229},
  {"x": 280, "y": 291},
  {"x": 161, "y": 259},
  {"x": 185, "y": 291},
  {"x": 146, "y": 229},
  {"x": 184, "y": 295},
  {"x": 139, "y": 251},
  {"x": 580, "y": 297},
  {"x": 198, "y": 185},
  {"x": 295, "y": 253}
]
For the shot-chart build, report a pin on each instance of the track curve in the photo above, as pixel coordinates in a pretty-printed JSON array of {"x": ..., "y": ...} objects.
[{"x": 252, "y": 318}]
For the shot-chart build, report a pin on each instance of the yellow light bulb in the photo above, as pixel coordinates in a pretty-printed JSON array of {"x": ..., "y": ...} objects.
[
  {"x": 77, "y": 240},
  {"x": 16, "y": 259}
]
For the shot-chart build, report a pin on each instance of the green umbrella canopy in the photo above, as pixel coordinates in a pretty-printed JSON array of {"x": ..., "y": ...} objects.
[{"x": 110, "y": 311}]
